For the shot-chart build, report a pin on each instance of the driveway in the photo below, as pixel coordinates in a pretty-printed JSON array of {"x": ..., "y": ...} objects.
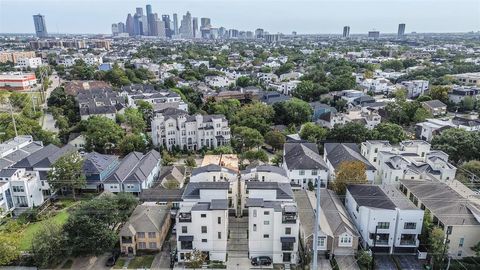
[
  {"x": 323, "y": 263},
  {"x": 347, "y": 263},
  {"x": 384, "y": 262},
  {"x": 409, "y": 262},
  {"x": 90, "y": 263}
]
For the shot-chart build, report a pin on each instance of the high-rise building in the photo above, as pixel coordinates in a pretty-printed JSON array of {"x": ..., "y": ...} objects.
[
  {"x": 205, "y": 26},
  {"x": 175, "y": 24},
  {"x": 168, "y": 25},
  {"x": 195, "y": 27},
  {"x": 233, "y": 33},
  {"x": 114, "y": 29},
  {"x": 121, "y": 27},
  {"x": 129, "y": 28},
  {"x": 346, "y": 31},
  {"x": 401, "y": 30},
  {"x": 222, "y": 32},
  {"x": 150, "y": 21},
  {"x": 205, "y": 22},
  {"x": 139, "y": 11},
  {"x": 137, "y": 24},
  {"x": 40, "y": 26},
  {"x": 259, "y": 33},
  {"x": 186, "y": 28},
  {"x": 374, "y": 34}
]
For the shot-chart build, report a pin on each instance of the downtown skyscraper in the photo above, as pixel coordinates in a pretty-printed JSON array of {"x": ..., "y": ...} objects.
[
  {"x": 186, "y": 27},
  {"x": 401, "y": 30},
  {"x": 40, "y": 26},
  {"x": 346, "y": 31}
]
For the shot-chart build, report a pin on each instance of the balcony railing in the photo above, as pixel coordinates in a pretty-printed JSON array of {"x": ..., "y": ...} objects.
[
  {"x": 289, "y": 218},
  {"x": 381, "y": 242},
  {"x": 127, "y": 240},
  {"x": 408, "y": 242},
  {"x": 185, "y": 217}
]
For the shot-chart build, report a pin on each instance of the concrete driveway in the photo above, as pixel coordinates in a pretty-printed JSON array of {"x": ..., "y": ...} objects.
[
  {"x": 323, "y": 263},
  {"x": 347, "y": 262},
  {"x": 384, "y": 262},
  {"x": 91, "y": 263},
  {"x": 409, "y": 262}
]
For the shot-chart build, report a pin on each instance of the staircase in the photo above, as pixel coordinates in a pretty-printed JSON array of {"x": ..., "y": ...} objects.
[{"x": 237, "y": 244}]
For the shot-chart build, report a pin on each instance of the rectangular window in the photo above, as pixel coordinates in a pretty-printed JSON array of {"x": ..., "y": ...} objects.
[
  {"x": 254, "y": 227},
  {"x": 184, "y": 229},
  {"x": 314, "y": 172},
  {"x": 266, "y": 236},
  {"x": 266, "y": 213},
  {"x": 152, "y": 235},
  {"x": 141, "y": 235},
  {"x": 302, "y": 172},
  {"x": 219, "y": 234},
  {"x": 219, "y": 220},
  {"x": 409, "y": 225},
  {"x": 204, "y": 229},
  {"x": 266, "y": 222},
  {"x": 254, "y": 212},
  {"x": 288, "y": 230},
  {"x": 203, "y": 215},
  {"x": 152, "y": 245},
  {"x": 383, "y": 225},
  {"x": 142, "y": 245},
  {"x": 460, "y": 244},
  {"x": 204, "y": 240}
]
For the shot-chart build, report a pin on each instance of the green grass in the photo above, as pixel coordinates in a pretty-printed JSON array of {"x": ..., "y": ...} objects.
[
  {"x": 141, "y": 262},
  {"x": 119, "y": 263},
  {"x": 68, "y": 264},
  {"x": 28, "y": 233}
]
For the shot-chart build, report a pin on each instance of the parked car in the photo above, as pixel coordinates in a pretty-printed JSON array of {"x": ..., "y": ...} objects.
[
  {"x": 112, "y": 259},
  {"x": 261, "y": 260}
]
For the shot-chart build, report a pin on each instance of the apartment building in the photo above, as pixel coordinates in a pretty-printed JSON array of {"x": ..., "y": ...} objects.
[
  {"x": 458, "y": 94},
  {"x": 410, "y": 160},
  {"x": 160, "y": 99},
  {"x": 13, "y": 56},
  {"x": 273, "y": 223},
  {"x": 453, "y": 207},
  {"x": 100, "y": 102},
  {"x": 33, "y": 62},
  {"x": 335, "y": 154},
  {"x": 386, "y": 220},
  {"x": 415, "y": 88},
  {"x": 304, "y": 165},
  {"x": 433, "y": 127},
  {"x": 468, "y": 78},
  {"x": 202, "y": 221},
  {"x": 435, "y": 107},
  {"x": 175, "y": 128}
]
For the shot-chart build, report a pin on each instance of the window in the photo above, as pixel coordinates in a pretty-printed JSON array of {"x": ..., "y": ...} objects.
[
  {"x": 302, "y": 172},
  {"x": 18, "y": 189},
  {"x": 460, "y": 244},
  {"x": 266, "y": 236},
  {"x": 314, "y": 172},
  {"x": 152, "y": 235},
  {"x": 182, "y": 256},
  {"x": 141, "y": 235},
  {"x": 184, "y": 229},
  {"x": 152, "y": 245},
  {"x": 383, "y": 225},
  {"x": 459, "y": 253},
  {"x": 409, "y": 225},
  {"x": 266, "y": 213},
  {"x": 204, "y": 240},
  {"x": 288, "y": 230},
  {"x": 219, "y": 235},
  {"x": 219, "y": 220},
  {"x": 142, "y": 245},
  {"x": 204, "y": 229},
  {"x": 254, "y": 212},
  {"x": 266, "y": 222},
  {"x": 254, "y": 227},
  {"x": 203, "y": 215},
  {"x": 321, "y": 241}
]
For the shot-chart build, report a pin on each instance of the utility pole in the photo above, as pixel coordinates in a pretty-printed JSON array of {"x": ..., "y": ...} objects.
[
  {"x": 374, "y": 245},
  {"x": 317, "y": 221},
  {"x": 449, "y": 231}
]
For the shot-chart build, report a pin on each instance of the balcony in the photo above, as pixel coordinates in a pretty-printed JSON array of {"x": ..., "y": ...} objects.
[
  {"x": 408, "y": 240},
  {"x": 289, "y": 214},
  {"x": 126, "y": 240},
  {"x": 185, "y": 217}
]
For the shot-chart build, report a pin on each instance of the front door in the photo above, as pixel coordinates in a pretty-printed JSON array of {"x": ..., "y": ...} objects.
[{"x": 287, "y": 257}]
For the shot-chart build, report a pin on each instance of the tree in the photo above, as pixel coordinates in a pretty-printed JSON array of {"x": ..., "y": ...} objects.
[
  {"x": 48, "y": 246},
  {"x": 427, "y": 227},
  {"x": 25, "y": 126},
  {"x": 390, "y": 132},
  {"x": 190, "y": 162},
  {"x": 396, "y": 65},
  {"x": 309, "y": 91},
  {"x": 227, "y": 107},
  {"x": 476, "y": 249},
  {"x": 275, "y": 139},
  {"x": 349, "y": 172},
  {"x": 167, "y": 159},
  {"x": 293, "y": 111},
  {"x": 197, "y": 258},
  {"x": 126, "y": 203},
  {"x": 436, "y": 246},
  {"x": 134, "y": 119},
  {"x": 244, "y": 81},
  {"x": 421, "y": 114},
  {"x": 313, "y": 132},
  {"x": 67, "y": 173},
  {"x": 440, "y": 93},
  {"x": 468, "y": 103},
  {"x": 350, "y": 132},
  {"x": 146, "y": 110},
  {"x": 256, "y": 115},
  {"x": 246, "y": 138},
  {"x": 9, "y": 247},
  {"x": 221, "y": 150},
  {"x": 459, "y": 144},
  {"x": 254, "y": 155},
  {"x": 133, "y": 142},
  {"x": 364, "y": 258},
  {"x": 102, "y": 139},
  {"x": 468, "y": 170}
]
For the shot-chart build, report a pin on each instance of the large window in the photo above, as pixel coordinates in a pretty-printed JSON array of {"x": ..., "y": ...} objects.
[
  {"x": 345, "y": 240},
  {"x": 204, "y": 229},
  {"x": 409, "y": 225},
  {"x": 321, "y": 241},
  {"x": 140, "y": 234},
  {"x": 184, "y": 229},
  {"x": 383, "y": 225},
  {"x": 152, "y": 235}
]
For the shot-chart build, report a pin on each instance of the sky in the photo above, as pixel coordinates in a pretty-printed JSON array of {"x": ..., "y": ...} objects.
[{"x": 303, "y": 16}]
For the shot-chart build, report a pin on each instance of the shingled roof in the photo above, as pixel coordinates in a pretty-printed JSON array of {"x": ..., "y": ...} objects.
[{"x": 303, "y": 156}]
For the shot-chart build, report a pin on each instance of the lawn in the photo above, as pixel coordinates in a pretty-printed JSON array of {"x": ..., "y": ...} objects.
[
  {"x": 144, "y": 261},
  {"x": 31, "y": 229},
  {"x": 119, "y": 264}
]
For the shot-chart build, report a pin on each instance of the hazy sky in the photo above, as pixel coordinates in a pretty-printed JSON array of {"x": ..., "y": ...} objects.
[{"x": 303, "y": 16}]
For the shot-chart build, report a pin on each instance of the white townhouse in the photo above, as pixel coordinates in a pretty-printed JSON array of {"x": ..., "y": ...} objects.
[
  {"x": 147, "y": 93},
  {"x": 273, "y": 223},
  {"x": 173, "y": 127},
  {"x": 432, "y": 127},
  {"x": 218, "y": 81},
  {"x": 304, "y": 165},
  {"x": 19, "y": 190},
  {"x": 135, "y": 173},
  {"x": 337, "y": 153},
  {"x": 386, "y": 220},
  {"x": 33, "y": 62},
  {"x": 458, "y": 94},
  {"x": 265, "y": 173},
  {"x": 415, "y": 88},
  {"x": 202, "y": 221},
  {"x": 217, "y": 173},
  {"x": 412, "y": 160}
]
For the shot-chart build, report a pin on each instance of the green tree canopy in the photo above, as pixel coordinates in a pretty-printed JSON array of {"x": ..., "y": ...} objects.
[
  {"x": 67, "y": 173},
  {"x": 245, "y": 138},
  {"x": 102, "y": 139},
  {"x": 275, "y": 139},
  {"x": 459, "y": 144},
  {"x": 390, "y": 132},
  {"x": 293, "y": 111},
  {"x": 256, "y": 115},
  {"x": 349, "y": 172},
  {"x": 313, "y": 132},
  {"x": 350, "y": 132}
]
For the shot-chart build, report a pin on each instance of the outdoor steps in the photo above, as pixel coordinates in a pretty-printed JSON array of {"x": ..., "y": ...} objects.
[{"x": 237, "y": 245}]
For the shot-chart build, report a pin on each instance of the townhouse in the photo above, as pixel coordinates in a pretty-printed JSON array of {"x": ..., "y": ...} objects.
[
  {"x": 458, "y": 94},
  {"x": 273, "y": 224},
  {"x": 335, "y": 154},
  {"x": 435, "y": 107},
  {"x": 202, "y": 221},
  {"x": 386, "y": 220},
  {"x": 433, "y": 127},
  {"x": 410, "y": 160},
  {"x": 304, "y": 165},
  {"x": 135, "y": 173},
  {"x": 338, "y": 235},
  {"x": 97, "y": 168},
  {"x": 17, "y": 148},
  {"x": 145, "y": 230},
  {"x": 453, "y": 207},
  {"x": 158, "y": 98},
  {"x": 175, "y": 128},
  {"x": 415, "y": 88},
  {"x": 100, "y": 102}
]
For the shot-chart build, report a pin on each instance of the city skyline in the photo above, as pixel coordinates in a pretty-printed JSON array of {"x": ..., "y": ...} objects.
[{"x": 304, "y": 16}]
